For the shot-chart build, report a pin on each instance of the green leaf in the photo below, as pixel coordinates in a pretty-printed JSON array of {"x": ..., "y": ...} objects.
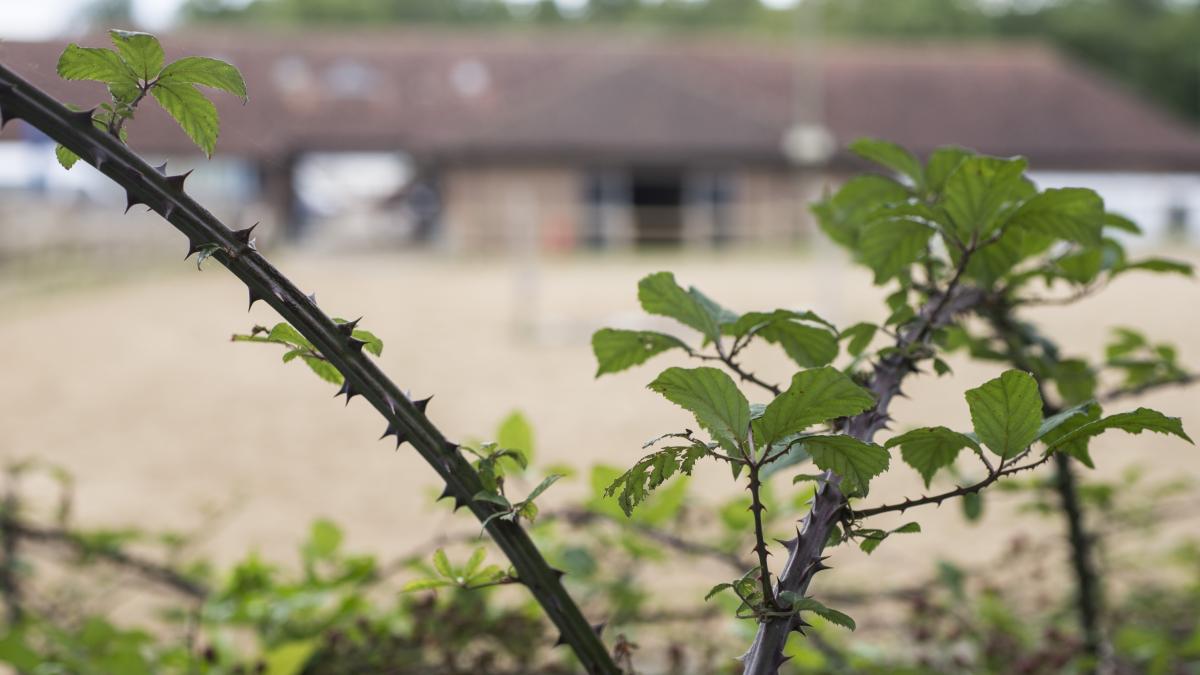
[
  {"x": 96, "y": 64},
  {"x": 808, "y": 346},
  {"x": 515, "y": 433},
  {"x": 1119, "y": 222},
  {"x": 196, "y": 115},
  {"x": 492, "y": 497},
  {"x": 474, "y": 561},
  {"x": 972, "y": 506},
  {"x": 374, "y": 344},
  {"x": 1135, "y": 422},
  {"x": 716, "y": 311},
  {"x": 1006, "y": 412},
  {"x": 1072, "y": 214},
  {"x": 1081, "y": 267},
  {"x": 1076, "y": 447},
  {"x": 617, "y": 350},
  {"x": 1159, "y": 265},
  {"x": 809, "y": 605},
  {"x": 891, "y": 156},
  {"x": 752, "y": 322},
  {"x": 890, "y": 244},
  {"x": 324, "y": 538},
  {"x": 16, "y": 652},
  {"x": 855, "y": 461},
  {"x": 65, "y": 157},
  {"x": 860, "y": 336},
  {"x": 716, "y": 589},
  {"x": 1075, "y": 380},
  {"x": 659, "y": 294},
  {"x": 649, "y": 473},
  {"x": 1055, "y": 421},
  {"x": 942, "y": 163},
  {"x": 794, "y": 455},
  {"x": 441, "y": 563},
  {"x": 709, "y": 394},
  {"x": 814, "y": 396},
  {"x": 868, "y": 545},
  {"x": 290, "y": 658},
  {"x": 664, "y": 505},
  {"x": 489, "y": 574},
  {"x": 542, "y": 486},
  {"x": 324, "y": 369},
  {"x": 283, "y": 332},
  {"x": 843, "y": 215},
  {"x": 140, "y": 51},
  {"x": 979, "y": 190},
  {"x": 424, "y": 585},
  {"x": 207, "y": 72},
  {"x": 931, "y": 448}
]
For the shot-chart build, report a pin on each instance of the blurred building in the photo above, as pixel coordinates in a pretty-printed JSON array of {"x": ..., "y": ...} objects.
[{"x": 564, "y": 141}]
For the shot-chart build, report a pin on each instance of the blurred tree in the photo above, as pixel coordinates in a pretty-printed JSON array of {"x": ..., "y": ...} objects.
[
  {"x": 101, "y": 14},
  {"x": 1149, "y": 44}
]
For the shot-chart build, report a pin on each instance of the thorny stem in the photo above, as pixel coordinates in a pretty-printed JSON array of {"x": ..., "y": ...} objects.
[
  {"x": 152, "y": 571},
  {"x": 727, "y": 359},
  {"x": 760, "y": 537},
  {"x": 804, "y": 553},
  {"x": 10, "y": 587},
  {"x": 1018, "y": 339},
  {"x": 143, "y": 184},
  {"x": 857, "y": 514}
]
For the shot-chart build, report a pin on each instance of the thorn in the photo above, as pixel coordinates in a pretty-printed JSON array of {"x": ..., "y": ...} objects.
[
  {"x": 176, "y": 182},
  {"x": 347, "y": 327},
  {"x": 347, "y": 390},
  {"x": 446, "y": 494},
  {"x": 244, "y": 236},
  {"x": 131, "y": 201},
  {"x": 254, "y": 297},
  {"x": 558, "y": 574},
  {"x": 82, "y": 118},
  {"x": 422, "y": 404},
  {"x": 560, "y": 641},
  {"x": 161, "y": 168},
  {"x": 312, "y": 297},
  {"x": 170, "y": 208},
  {"x": 6, "y": 117},
  {"x": 393, "y": 430},
  {"x": 356, "y": 344},
  {"x": 598, "y": 628}
]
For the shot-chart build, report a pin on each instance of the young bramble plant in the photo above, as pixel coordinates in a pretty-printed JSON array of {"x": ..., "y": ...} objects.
[
  {"x": 960, "y": 234},
  {"x": 134, "y": 70},
  {"x": 334, "y": 349}
]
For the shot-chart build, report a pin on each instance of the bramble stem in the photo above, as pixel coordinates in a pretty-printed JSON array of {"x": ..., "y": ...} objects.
[
  {"x": 804, "y": 556},
  {"x": 19, "y": 99}
]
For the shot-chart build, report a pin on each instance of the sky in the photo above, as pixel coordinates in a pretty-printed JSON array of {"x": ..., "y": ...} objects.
[{"x": 22, "y": 20}]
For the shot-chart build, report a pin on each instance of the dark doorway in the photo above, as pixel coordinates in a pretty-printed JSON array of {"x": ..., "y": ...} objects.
[{"x": 657, "y": 201}]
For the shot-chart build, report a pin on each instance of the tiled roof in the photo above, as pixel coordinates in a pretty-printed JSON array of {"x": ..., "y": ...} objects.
[{"x": 593, "y": 97}]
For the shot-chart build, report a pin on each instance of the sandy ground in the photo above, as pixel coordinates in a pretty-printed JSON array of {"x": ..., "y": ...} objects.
[{"x": 132, "y": 384}]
